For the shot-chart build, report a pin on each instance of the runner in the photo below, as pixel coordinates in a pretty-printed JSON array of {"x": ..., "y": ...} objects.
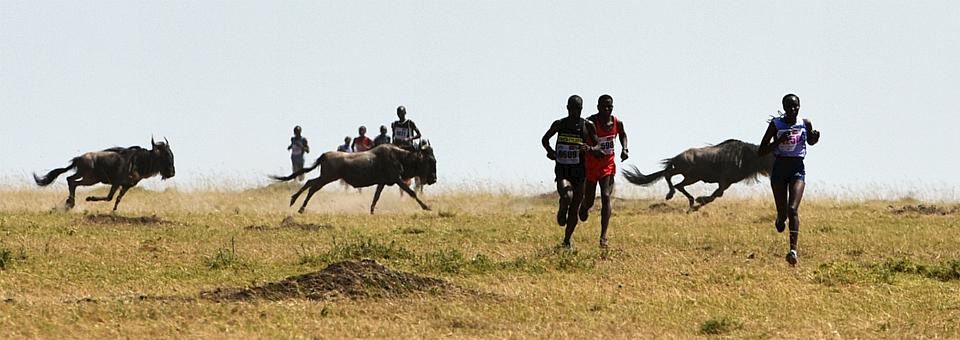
[
  {"x": 787, "y": 137},
  {"x": 600, "y": 164},
  {"x": 405, "y": 131},
  {"x": 382, "y": 138},
  {"x": 362, "y": 143},
  {"x": 298, "y": 146},
  {"x": 572, "y": 133}
]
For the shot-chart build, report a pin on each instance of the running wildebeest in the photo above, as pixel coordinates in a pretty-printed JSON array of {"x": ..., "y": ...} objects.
[
  {"x": 120, "y": 167},
  {"x": 383, "y": 165},
  {"x": 726, "y": 163}
]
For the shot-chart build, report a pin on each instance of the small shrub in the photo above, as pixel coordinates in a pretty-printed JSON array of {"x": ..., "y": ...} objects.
[
  {"x": 226, "y": 258},
  {"x": 7, "y": 257},
  {"x": 720, "y": 326}
]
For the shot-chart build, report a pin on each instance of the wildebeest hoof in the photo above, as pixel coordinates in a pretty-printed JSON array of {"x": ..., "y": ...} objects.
[
  {"x": 704, "y": 199},
  {"x": 669, "y": 196},
  {"x": 91, "y": 199},
  {"x": 300, "y": 210}
]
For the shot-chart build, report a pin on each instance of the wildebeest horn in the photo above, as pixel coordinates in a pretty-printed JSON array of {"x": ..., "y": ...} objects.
[
  {"x": 166, "y": 141},
  {"x": 151, "y": 141}
]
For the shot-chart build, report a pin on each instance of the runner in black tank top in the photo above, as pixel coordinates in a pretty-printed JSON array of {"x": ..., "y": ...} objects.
[{"x": 572, "y": 133}]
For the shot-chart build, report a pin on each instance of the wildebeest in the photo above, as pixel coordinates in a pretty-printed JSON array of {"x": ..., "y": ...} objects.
[
  {"x": 726, "y": 163},
  {"x": 120, "y": 167},
  {"x": 383, "y": 165}
]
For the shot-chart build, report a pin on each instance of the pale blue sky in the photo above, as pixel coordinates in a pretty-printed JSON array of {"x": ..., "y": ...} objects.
[{"x": 226, "y": 81}]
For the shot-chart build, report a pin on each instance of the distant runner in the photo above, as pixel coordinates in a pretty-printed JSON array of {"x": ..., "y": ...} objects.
[
  {"x": 362, "y": 143},
  {"x": 346, "y": 145},
  {"x": 298, "y": 146},
  {"x": 572, "y": 133},
  {"x": 787, "y": 137},
  {"x": 405, "y": 131},
  {"x": 600, "y": 164},
  {"x": 382, "y": 138}
]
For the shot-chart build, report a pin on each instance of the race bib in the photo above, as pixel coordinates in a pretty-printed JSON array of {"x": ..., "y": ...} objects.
[
  {"x": 791, "y": 142},
  {"x": 568, "y": 154},
  {"x": 401, "y": 133},
  {"x": 606, "y": 144}
]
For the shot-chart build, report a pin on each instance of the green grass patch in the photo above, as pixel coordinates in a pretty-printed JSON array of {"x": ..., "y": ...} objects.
[{"x": 847, "y": 273}]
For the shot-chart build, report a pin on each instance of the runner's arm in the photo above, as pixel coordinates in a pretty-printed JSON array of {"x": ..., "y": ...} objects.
[
  {"x": 551, "y": 154},
  {"x": 765, "y": 145},
  {"x": 814, "y": 135},
  {"x": 623, "y": 141},
  {"x": 416, "y": 131},
  {"x": 590, "y": 132}
]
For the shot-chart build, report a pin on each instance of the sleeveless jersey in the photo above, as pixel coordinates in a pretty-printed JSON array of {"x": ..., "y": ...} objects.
[
  {"x": 569, "y": 138},
  {"x": 402, "y": 131},
  {"x": 796, "y": 144},
  {"x": 606, "y": 137},
  {"x": 297, "y": 144}
]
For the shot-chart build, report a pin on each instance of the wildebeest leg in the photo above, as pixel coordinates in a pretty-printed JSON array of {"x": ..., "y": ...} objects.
[
  {"x": 304, "y": 187},
  {"x": 123, "y": 191},
  {"x": 72, "y": 182},
  {"x": 403, "y": 186},
  {"x": 316, "y": 186},
  {"x": 407, "y": 182},
  {"x": 685, "y": 182},
  {"x": 108, "y": 197},
  {"x": 376, "y": 197},
  {"x": 670, "y": 193},
  {"x": 703, "y": 200}
]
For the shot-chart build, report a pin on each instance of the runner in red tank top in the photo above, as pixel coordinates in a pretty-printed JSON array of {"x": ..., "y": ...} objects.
[{"x": 600, "y": 164}]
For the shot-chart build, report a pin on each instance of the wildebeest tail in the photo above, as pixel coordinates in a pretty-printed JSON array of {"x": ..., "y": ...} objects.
[
  {"x": 301, "y": 171},
  {"x": 636, "y": 177},
  {"x": 53, "y": 174}
]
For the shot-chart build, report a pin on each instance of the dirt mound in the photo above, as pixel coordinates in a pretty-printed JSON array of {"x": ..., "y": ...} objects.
[
  {"x": 116, "y": 219},
  {"x": 289, "y": 223},
  {"x": 923, "y": 209},
  {"x": 352, "y": 279}
]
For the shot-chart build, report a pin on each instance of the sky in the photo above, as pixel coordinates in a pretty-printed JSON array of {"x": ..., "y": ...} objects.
[{"x": 226, "y": 81}]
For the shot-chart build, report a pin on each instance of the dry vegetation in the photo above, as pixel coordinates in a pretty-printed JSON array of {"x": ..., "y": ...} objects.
[{"x": 236, "y": 264}]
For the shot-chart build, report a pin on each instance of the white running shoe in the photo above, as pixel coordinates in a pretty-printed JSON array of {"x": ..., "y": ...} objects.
[{"x": 792, "y": 257}]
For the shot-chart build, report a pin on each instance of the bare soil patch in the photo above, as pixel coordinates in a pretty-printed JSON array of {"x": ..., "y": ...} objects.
[
  {"x": 924, "y": 210},
  {"x": 117, "y": 219},
  {"x": 351, "y": 279}
]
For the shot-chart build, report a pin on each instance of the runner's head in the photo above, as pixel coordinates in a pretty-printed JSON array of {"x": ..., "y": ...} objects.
[
  {"x": 605, "y": 105},
  {"x": 383, "y": 129},
  {"x": 401, "y": 112},
  {"x": 296, "y": 130},
  {"x": 574, "y": 106},
  {"x": 346, "y": 140},
  {"x": 363, "y": 130},
  {"x": 791, "y": 105}
]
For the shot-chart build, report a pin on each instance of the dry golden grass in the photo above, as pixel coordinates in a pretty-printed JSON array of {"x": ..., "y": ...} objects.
[{"x": 866, "y": 270}]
